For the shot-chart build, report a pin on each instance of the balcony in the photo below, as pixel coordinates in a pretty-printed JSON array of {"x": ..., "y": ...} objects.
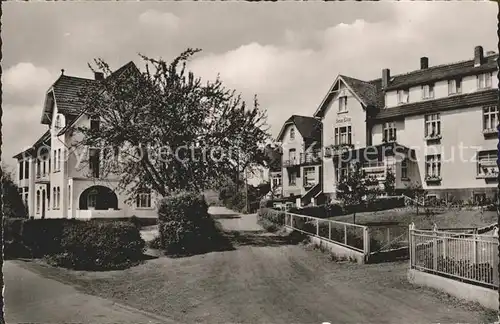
[
  {"x": 433, "y": 137},
  {"x": 490, "y": 132},
  {"x": 42, "y": 178},
  {"x": 335, "y": 150},
  {"x": 488, "y": 170},
  {"x": 310, "y": 158},
  {"x": 433, "y": 178},
  {"x": 375, "y": 170},
  {"x": 291, "y": 163}
]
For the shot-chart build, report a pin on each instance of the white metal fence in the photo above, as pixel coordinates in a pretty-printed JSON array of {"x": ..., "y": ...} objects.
[
  {"x": 353, "y": 236},
  {"x": 465, "y": 256}
]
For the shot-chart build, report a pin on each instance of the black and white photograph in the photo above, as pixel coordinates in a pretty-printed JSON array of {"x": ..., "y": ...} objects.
[{"x": 250, "y": 162}]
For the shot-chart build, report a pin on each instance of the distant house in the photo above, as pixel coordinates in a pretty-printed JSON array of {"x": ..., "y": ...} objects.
[{"x": 301, "y": 168}]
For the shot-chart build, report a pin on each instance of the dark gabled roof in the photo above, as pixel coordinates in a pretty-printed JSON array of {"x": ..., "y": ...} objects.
[
  {"x": 44, "y": 140},
  {"x": 72, "y": 117},
  {"x": 442, "y": 72},
  {"x": 366, "y": 91},
  {"x": 452, "y": 102},
  {"x": 308, "y": 127},
  {"x": 66, "y": 90}
]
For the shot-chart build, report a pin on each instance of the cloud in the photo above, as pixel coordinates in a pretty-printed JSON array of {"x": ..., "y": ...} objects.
[
  {"x": 155, "y": 18},
  {"x": 292, "y": 76},
  {"x": 25, "y": 83}
]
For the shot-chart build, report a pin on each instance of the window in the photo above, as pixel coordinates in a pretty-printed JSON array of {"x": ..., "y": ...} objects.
[
  {"x": 293, "y": 178},
  {"x": 343, "y": 135},
  {"x": 389, "y": 132},
  {"x": 403, "y": 96},
  {"x": 58, "y": 122},
  {"x": 58, "y": 197},
  {"x": 292, "y": 133},
  {"x": 309, "y": 177},
  {"x": 143, "y": 199},
  {"x": 26, "y": 169},
  {"x": 59, "y": 160},
  {"x": 484, "y": 81},
  {"x": 342, "y": 171},
  {"x": 490, "y": 118},
  {"x": 292, "y": 156},
  {"x": 54, "y": 196},
  {"x": 95, "y": 123},
  {"x": 454, "y": 86},
  {"x": 21, "y": 170},
  {"x": 428, "y": 91},
  {"x": 343, "y": 104},
  {"x": 487, "y": 163},
  {"x": 433, "y": 166},
  {"x": 432, "y": 125},
  {"x": 92, "y": 200},
  {"x": 38, "y": 201},
  {"x": 404, "y": 169},
  {"x": 94, "y": 162},
  {"x": 276, "y": 182},
  {"x": 55, "y": 161}
]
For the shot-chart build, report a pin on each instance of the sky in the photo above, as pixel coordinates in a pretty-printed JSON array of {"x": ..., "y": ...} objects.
[{"x": 286, "y": 53}]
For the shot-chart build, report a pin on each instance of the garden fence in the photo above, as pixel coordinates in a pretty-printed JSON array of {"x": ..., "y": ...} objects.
[{"x": 465, "y": 256}]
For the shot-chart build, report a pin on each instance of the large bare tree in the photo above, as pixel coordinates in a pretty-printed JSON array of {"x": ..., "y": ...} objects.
[{"x": 165, "y": 129}]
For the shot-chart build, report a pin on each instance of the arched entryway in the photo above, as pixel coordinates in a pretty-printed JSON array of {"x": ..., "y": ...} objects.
[{"x": 98, "y": 198}]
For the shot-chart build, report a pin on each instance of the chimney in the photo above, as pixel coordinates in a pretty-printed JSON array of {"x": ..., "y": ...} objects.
[
  {"x": 424, "y": 63},
  {"x": 98, "y": 75},
  {"x": 478, "y": 55},
  {"x": 386, "y": 75}
]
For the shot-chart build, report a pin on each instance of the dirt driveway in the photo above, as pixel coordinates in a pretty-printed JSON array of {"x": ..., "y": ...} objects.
[{"x": 267, "y": 280}]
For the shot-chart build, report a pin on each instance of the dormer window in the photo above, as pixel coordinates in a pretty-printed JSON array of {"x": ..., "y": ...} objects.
[
  {"x": 58, "y": 122},
  {"x": 292, "y": 133},
  {"x": 403, "y": 96},
  {"x": 343, "y": 104},
  {"x": 94, "y": 123},
  {"x": 454, "y": 86},
  {"x": 484, "y": 81},
  {"x": 428, "y": 91}
]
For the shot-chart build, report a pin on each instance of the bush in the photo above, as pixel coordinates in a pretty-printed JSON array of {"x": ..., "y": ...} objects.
[
  {"x": 16, "y": 249},
  {"x": 266, "y": 216},
  {"x": 95, "y": 245},
  {"x": 43, "y": 236},
  {"x": 322, "y": 211},
  {"x": 135, "y": 221},
  {"x": 185, "y": 226},
  {"x": 12, "y": 228}
]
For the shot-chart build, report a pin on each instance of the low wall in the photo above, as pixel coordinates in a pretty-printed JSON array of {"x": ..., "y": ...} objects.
[
  {"x": 335, "y": 248},
  {"x": 484, "y": 296}
]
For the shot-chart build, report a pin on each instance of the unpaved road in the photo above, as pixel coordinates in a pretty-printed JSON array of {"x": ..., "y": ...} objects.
[{"x": 266, "y": 280}]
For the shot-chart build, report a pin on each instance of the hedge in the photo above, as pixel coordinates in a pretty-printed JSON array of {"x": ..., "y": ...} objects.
[
  {"x": 89, "y": 245},
  {"x": 99, "y": 245},
  {"x": 185, "y": 227}
]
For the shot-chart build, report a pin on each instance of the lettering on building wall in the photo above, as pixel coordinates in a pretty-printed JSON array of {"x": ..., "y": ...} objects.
[{"x": 343, "y": 120}]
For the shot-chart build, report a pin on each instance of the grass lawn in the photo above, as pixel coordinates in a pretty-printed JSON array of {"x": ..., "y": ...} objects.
[{"x": 463, "y": 218}]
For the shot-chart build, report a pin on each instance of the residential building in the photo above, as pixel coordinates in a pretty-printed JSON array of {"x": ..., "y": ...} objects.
[
  {"x": 301, "y": 172},
  {"x": 54, "y": 180},
  {"x": 435, "y": 126}
]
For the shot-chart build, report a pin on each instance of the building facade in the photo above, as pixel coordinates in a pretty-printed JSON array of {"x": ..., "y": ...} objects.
[
  {"x": 435, "y": 127},
  {"x": 301, "y": 170},
  {"x": 57, "y": 181}
]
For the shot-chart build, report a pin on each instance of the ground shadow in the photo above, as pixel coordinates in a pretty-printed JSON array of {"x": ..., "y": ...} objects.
[
  {"x": 262, "y": 238},
  {"x": 225, "y": 216}
]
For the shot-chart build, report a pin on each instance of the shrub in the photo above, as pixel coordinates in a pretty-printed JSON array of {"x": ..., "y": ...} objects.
[
  {"x": 43, "y": 236},
  {"x": 266, "y": 216},
  {"x": 135, "y": 221},
  {"x": 12, "y": 228},
  {"x": 322, "y": 211},
  {"x": 16, "y": 249},
  {"x": 185, "y": 226},
  {"x": 95, "y": 245}
]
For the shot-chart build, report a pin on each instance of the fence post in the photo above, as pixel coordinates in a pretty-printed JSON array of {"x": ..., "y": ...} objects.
[
  {"x": 434, "y": 248},
  {"x": 366, "y": 241},
  {"x": 474, "y": 246},
  {"x": 345, "y": 234},
  {"x": 317, "y": 227},
  {"x": 411, "y": 244},
  {"x": 329, "y": 230}
]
